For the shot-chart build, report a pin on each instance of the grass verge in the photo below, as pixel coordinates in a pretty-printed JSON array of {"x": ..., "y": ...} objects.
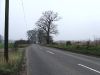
[
  {"x": 14, "y": 64},
  {"x": 10, "y": 45},
  {"x": 1, "y": 45},
  {"x": 91, "y": 50}
]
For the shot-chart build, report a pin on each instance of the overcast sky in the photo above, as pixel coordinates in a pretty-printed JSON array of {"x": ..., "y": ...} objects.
[{"x": 80, "y": 18}]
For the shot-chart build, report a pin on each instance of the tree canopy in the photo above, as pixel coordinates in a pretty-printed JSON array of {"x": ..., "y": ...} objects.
[{"x": 46, "y": 23}]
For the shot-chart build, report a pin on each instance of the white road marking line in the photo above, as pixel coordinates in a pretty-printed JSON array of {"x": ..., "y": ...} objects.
[
  {"x": 50, "y": 52},
  {"x": 89, "y": 68}
]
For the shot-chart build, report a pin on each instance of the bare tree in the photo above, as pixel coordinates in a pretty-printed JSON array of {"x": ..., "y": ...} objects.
[
  {"x": 46, "y": 23},
  {"x": 32, "y": 36},
  {"x": 41, "y": 36}
]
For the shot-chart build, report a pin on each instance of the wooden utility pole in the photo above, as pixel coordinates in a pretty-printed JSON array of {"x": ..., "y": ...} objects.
[{"x": 6, "y": 33}]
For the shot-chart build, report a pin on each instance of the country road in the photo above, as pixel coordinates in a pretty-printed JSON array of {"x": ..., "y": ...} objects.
[{"x": 50, "y": 61}]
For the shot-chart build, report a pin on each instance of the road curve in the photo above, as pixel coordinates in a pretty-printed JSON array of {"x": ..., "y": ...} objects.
[{"x": 50, "y": 61}]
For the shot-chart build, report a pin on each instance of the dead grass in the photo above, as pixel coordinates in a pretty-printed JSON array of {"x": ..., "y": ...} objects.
[{"x": 14, "y": 63}]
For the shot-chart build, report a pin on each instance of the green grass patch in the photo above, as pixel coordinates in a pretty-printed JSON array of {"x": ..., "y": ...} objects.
[
  {"x": 89, "y": 50},
  {"x": 22, "y": 45},
  {"x": 14, "y": 64},
  {"x": 1, "y": 45},
  {"x": 10, "y": 45}
]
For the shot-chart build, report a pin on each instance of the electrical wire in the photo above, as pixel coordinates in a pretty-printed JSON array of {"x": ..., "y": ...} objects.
[{"x": 23, "y": 9}]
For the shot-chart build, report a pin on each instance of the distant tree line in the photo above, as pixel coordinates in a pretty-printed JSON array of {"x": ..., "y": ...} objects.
[
  {"x": 38, "y": 36},
  {"x": 1, "y": 39},
  {"x": 20, "y": 43},
  {"x": 45, "y": 27},
  {"x": 87, "y": 43}
]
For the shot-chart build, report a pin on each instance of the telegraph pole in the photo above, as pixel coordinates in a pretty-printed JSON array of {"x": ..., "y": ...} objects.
[{"x": 6, "y": 33}]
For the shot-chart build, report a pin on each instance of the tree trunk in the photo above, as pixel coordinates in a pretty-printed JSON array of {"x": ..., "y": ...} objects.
[{"x": 48, "y": 38}]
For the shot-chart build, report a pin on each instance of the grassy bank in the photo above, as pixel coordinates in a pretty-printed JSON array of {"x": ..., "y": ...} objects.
[
  {"x": 10, "y": 45},
  {"x": 14, "y": 64},
  {"x": 1, "y": 45},
  {"x": 89, "y": 50}
]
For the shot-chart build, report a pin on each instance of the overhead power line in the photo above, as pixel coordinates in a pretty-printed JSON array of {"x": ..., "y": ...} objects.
[{"x": 23, "y": 9}]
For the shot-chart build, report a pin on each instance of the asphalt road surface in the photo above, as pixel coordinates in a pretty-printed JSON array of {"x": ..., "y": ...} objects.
[{"x": 50, "y": 61}]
